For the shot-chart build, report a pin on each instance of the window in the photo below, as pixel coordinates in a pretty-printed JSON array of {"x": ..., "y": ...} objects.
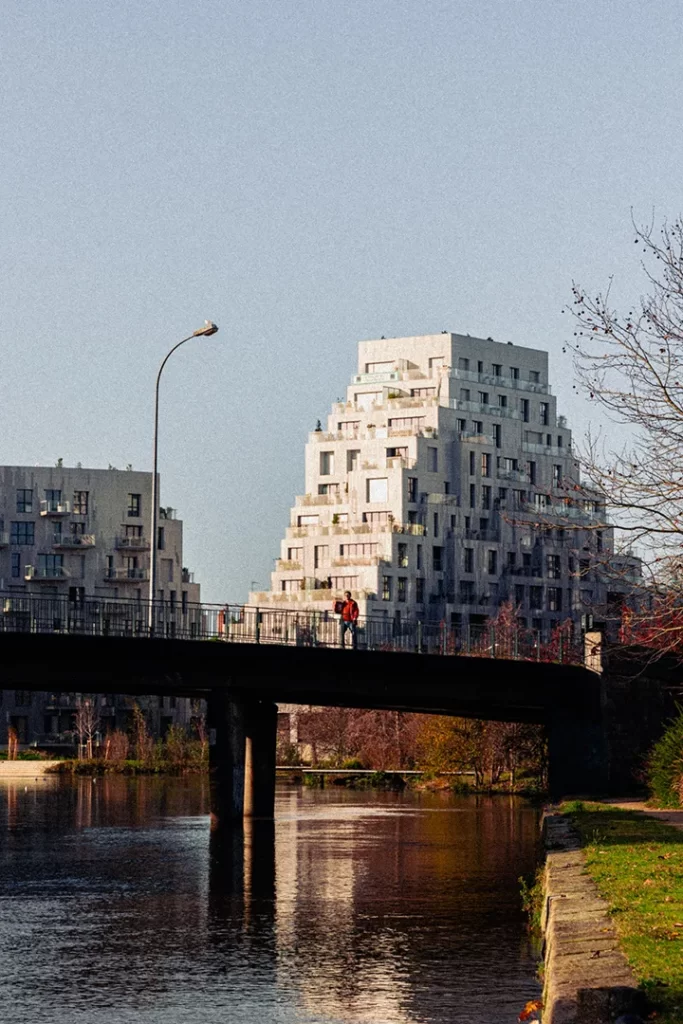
[
  {"x": 183, "y": 602},
  {"x": 307, "y": 520},
  {"x": 418, "y": 557},
  {"x": 352, "y": 459},
  {"x": 437, "y": 555},
  {"x": 134, "y": 505},
  {"x": 16, "y": 565},
  {"x": 514, "y": 372},
  {"x": 23, "y": 698},
  {"x": 468, "y": 564},
  {"x": 503, "y": 401},
  {"x": 50, "y": 565},
  {"x": 414, "y": 424},
  {"x": 466, "y": 591},
  {"x": 472, "y": 463},
  {"x": 519, "y": 593},
  {"x": 77, "y": 529},
  {"x": 480, "y": 366},
  {"x": 486, "y": 496},
  {"x": 463, "y": 363},
  {"x": 290, "y": 586},
  {"x": 496, "y": 369},
  {"x": 497, "y": 435},
  {"x": 473, "y": 496},
  {"x": 531, "y": 472},
  {"x": 464, "y": 394},
  {"x": 433, "y": 459},
  {"x": 560, "y": 441},
  {"x": 534, "y": 376},
  {"x": 524, "y": 409},
  {"x": 412, "y": 489},
  {"x": 349, "y": 428},
  {"x": 557, "y": 476},
  {"x": 584, "y": 567},
  {"x": 386, "y": 366},
  {"x": 172, "y": 599},
  {"x": 326, "y": 463},
  {"x": 321, "y": 555},
  {"x": 478, "y": 426},
  {"x": 376, "y": 518},
  {"x": 511, "y": 559},
  {"x": 436, "y": 524},
  {"x": 358, "y": 550},
  {"x": 22, "y": 533},
  {"x": 167, "y": 569},
  {"x": 553, "y": 567},
  {"x": 484, "y": 397},
  {"x": 598, "y": 539},
  {"x": 419, "y": 590},
  {"x": 502, "y": 494},
  {"x": 366, "y": 399},
  {"x": 397, "y": 453},
  {"x": 554, "y": 599},
  {"x": 24, "y": 500},
  {"x": 377, "y": 490},
  {"x": 536, "y": 597},
  {"x": 402, "y": 588},
  {"x": 294, "y": 554},
  {"x": 53, "y": 498},
  {"x": 161, "y": 537},
  {"x": 462, "y": 426},
  {"x": 485, "y": 464},
  {"x": 386, "y": 588},
  {"x": 81, "y": 503},
  {"x": 403, "y": 556},
  {"x": 492, "y": 562},
  {"x": 544, "y": 413}
]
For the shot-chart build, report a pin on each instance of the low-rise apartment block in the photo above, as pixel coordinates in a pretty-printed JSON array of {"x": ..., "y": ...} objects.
[{"x": 80, "y": 534}]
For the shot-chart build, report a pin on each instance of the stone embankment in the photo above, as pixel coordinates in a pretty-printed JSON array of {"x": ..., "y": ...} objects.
[
  {"x": 25, "y": 769},
  {"x": 587, "y": 978}
]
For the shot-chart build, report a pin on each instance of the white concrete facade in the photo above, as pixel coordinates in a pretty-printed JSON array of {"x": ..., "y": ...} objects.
[{"x": 442, "y": 487}]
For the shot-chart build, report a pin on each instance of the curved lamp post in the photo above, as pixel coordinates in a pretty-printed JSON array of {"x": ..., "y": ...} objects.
[{"x": 208, "y": 328}]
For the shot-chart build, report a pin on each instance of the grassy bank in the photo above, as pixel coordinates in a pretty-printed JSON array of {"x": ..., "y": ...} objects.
[{"x": 637, "y": 864}]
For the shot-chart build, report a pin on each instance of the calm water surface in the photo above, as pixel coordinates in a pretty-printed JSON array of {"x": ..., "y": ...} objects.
[{"x": 117, "y": 906}]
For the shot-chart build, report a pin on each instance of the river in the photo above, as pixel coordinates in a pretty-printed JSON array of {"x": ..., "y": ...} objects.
[{"x": 353, "y": 908}]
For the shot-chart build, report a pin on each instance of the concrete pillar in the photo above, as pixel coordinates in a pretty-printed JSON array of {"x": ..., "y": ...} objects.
[
  {"x": 577, "y": 756},
  {"x": 259, "y": 769},
  {"x": 226, "y": 720}
]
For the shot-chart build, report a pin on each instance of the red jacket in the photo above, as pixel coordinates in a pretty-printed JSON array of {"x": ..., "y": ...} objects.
[{"x": 349, "y": 611}]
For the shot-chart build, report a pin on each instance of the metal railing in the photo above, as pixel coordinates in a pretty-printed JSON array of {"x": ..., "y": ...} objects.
[{"x": 246, "y": 624}]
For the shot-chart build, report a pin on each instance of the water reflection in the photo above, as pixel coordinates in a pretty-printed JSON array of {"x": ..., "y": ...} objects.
[{"x": 118, "y": 904}]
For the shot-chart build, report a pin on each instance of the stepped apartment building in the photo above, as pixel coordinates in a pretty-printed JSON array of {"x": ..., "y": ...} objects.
[
  {"x": 83, "y": 534},
  {"x": 444, "y": 486}
]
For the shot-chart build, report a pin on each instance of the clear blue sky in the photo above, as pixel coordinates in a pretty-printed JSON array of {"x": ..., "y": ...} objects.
[{"x": 307, "y": 174}]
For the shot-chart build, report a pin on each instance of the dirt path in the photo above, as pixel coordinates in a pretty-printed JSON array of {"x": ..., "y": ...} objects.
[{"x": 670, "y": 815}]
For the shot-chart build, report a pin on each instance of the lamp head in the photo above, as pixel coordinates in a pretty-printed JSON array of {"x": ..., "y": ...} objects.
[{"x": 208, "y": 328}]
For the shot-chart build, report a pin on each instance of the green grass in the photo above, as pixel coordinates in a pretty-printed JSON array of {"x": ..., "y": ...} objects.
[{"x": 637, "y": 863}]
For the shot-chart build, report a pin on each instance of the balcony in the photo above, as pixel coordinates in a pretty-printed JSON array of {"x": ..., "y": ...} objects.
[
  {"x": 187, "y": 576},
  {"x": 73, "y": 541},
  {"x": 125, "y": 575},
  {"x": 321, "y": 499},
  {"x": 287, "y": 565},
  {"x": 376, "y": 378},
  {"x": 132, "y": 543},
  {"x": 545, "y": 449},
  {"x": 501, "y": 382},
  {"x": 46, "y": 574},
  {"x": 55, "y": 508}
]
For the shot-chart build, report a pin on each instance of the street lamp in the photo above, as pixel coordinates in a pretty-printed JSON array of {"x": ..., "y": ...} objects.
[{"x": 203, "y": 332}]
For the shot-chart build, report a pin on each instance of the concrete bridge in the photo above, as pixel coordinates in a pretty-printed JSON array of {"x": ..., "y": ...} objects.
[{"x": 242, "y": 676}]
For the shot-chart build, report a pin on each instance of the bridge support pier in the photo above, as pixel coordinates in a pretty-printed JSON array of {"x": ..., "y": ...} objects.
[
  {"x": 577, "y": 754},
  {"x": 242, "y": 736}
]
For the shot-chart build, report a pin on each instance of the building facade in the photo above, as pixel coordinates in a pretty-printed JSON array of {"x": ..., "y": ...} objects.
[
  {"x": 82, "y": 534},
  {"x": 444, "y": 486}
]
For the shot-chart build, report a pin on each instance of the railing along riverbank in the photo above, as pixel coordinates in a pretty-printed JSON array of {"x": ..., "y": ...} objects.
[{"x": 234, "y": 623}]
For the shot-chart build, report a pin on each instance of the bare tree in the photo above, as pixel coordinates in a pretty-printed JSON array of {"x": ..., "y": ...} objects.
[
  {"x": 86, "y": 725},
  {"x": 631, "y": 365}
]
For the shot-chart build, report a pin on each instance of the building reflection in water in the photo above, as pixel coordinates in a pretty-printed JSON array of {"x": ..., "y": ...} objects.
[{"x": 350, "y": 907}]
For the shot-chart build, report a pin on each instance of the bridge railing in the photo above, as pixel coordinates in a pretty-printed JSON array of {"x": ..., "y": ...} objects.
[{"x": 126, "y": 617}]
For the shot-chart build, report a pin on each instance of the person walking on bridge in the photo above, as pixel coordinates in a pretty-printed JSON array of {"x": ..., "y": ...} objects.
[{"x": 349, "y": 614}]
